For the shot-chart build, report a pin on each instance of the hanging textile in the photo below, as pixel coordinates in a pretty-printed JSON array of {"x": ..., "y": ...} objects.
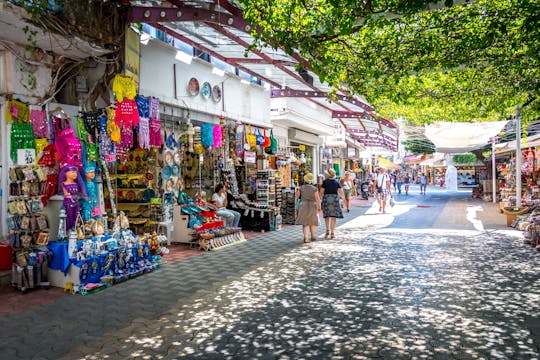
[
  {"x": 143, "y": 105},
  {"x": 144, "y": 133},
  {"x": 155, "y": 133},
  {"x": 154, "y": 108},
  {"x": 207, "y": 135},
  {"x": 124, "y": 87}
]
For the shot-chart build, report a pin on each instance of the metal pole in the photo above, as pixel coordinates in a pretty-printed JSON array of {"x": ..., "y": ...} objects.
[
  {"x": 518, "y": 158},
  {"x": 493, "y": 173}
]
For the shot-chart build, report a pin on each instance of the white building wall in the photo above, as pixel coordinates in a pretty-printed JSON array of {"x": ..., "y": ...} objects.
[
  {"x": 25, "y": 81},
  {"x": 301, "y": 114},
  {"x": 248, "y": 103}
]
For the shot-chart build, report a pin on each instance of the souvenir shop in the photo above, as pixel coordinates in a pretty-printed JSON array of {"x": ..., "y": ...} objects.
[
  {"x": 526, "y": 215},
  {"x": 530, "y": 179},
  {"x": 84, "y": 203},
  {"x": 96, "y": 196},
  {"x": 242, "y": 158}
]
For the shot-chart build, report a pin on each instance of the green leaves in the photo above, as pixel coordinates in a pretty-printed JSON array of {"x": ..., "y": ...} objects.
[
  {"x": 420, "y": 60},
  {"x": 464, "y": 159}
]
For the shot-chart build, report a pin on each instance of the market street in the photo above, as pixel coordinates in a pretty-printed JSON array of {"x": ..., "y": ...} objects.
[{"x": 439, "y": 276}]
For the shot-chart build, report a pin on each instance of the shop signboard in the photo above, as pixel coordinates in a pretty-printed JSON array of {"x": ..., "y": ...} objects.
[
  {"x": 26, "y": 156},
  {"x": 250, "y": 157}
]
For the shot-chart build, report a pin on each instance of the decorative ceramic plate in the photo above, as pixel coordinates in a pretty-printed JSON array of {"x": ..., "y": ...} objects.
[
  {"x": 216, "y": 93},
  {"x": 193, "y": 87},
  {"x": 131, "y": 196},
  {"x": 177, "y": 157},
  {"x": 168, "y": 157},
  {"x": 166, "y": 172},
  {"x": 206, "y": 90},
  {"x": 175, "y": 170}
]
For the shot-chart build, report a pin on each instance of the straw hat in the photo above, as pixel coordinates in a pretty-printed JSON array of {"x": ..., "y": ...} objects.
[
  {"x": 331, "y": 173},
  {"x": 308, "y": 178}
]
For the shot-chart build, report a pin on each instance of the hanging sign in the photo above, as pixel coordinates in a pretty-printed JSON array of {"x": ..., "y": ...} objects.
[
  {"x": 26, "y": 156},
  {"x": 250, "y": 157}
]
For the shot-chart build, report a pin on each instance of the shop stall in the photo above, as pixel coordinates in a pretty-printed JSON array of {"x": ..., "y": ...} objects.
[{"x": 87, "y": 174}]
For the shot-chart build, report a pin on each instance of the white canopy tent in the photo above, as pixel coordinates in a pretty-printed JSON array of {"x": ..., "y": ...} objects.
[{"x": 460, "y": 137}]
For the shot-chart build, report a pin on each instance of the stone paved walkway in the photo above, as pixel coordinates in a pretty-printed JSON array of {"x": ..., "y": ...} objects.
[{"x": 437, "y": 277}]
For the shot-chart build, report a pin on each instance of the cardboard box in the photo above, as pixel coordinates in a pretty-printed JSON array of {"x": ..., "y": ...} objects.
[{"x": 58, "y": 279}]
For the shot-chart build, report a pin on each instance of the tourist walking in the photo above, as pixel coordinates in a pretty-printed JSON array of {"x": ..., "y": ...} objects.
[
  {"x": 384, "y": 184},
  {"x": 310, "y": 205},
  {"x": 407, "y": 182},
  {"x": 348, "y": 187},
  {"x": 423, "y": 184},
  {"x": 331, "y": 192},
  {"x": 399, "y": 180}
]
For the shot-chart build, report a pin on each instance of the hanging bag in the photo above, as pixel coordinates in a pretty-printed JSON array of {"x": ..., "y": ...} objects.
[
  {"x": 272, "y": 149},
  {"x": 259, "y": 137},
  {"x": 250, "y": 137},
  {"x": 267, "y": 141},
  {"x": 38, "y": 118}
]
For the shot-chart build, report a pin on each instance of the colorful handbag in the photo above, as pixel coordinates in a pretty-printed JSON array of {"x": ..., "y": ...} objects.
[
  {"x": 259, "y": 138},
  {"x": 250, "y": 137},
  {"x": 38, "y": 118},
  {"x": 272, "y": 149},
  {"x": 267, "y": 141}
]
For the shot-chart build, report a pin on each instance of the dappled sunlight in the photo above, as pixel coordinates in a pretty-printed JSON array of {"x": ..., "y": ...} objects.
[
  {"x": 390, "y": 294},
  {"x": 374, "y": 219}
]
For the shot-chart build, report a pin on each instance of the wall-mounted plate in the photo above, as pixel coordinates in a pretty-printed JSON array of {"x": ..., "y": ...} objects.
[
  {"x": 206, "y": 90},
  {"x": 193, "y": 87},
  {"x": 216, "y": 93}
]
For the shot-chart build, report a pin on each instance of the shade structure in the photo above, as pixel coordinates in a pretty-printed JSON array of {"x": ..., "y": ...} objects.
[
  {"x": 462, "y": 137},
  {"x": 387, "y": 164}
]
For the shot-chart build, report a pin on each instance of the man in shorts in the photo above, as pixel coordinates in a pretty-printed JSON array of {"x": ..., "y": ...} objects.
[{"x": 383, "y": 188}]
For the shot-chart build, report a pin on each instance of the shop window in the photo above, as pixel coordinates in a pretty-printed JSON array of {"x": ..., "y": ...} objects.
[
  {"x": 201, "y": 55},
  {"x": 222, "y": 65}
]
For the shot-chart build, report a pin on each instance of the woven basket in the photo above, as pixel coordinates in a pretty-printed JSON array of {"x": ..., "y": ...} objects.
[{"x": 514, "y": 211}]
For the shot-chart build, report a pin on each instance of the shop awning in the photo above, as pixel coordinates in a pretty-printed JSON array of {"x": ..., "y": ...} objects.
[
  {"x": 217, "y": 28},
  {"x": 531, "y": 141},
  {"x": 387, "y": 164},
  {"x": 413, "y": 159},
  {"x": 462, "y": 137},
  {"x": 427, "y": 162}
]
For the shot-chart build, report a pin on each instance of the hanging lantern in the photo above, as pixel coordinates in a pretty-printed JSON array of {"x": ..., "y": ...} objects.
[
  {"x": 62, "y": 225},
  {"x": 190, "y": 132}
]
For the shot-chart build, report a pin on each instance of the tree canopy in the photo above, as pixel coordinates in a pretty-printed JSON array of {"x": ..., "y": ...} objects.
[{"x": 423, "y": 61}]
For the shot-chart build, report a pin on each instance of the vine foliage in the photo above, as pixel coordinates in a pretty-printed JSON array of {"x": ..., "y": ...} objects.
[{"x": 424, "y": 61}]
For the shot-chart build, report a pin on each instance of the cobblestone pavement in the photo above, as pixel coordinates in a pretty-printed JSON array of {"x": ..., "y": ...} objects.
[{"x": 436, "y": 278}]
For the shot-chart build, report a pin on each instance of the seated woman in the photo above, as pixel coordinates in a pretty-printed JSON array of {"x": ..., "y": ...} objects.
[{"x": 219, "y": 198}]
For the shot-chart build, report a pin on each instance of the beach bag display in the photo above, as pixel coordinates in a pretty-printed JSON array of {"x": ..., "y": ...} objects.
[
  {"x": 251, "y": 139},
  {"x": 267, "y": 141},
  {"x": 259, "y": 138},
  {"x": 272, "y": 149}
]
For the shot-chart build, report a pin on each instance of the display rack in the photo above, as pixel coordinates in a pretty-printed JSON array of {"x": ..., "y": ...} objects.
[
  {"x": 278, "y": 189},
  {"x": 288, "y": 206},
  {"x": 28, "y": 226},
  {"x": 266, "y": 187}
]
